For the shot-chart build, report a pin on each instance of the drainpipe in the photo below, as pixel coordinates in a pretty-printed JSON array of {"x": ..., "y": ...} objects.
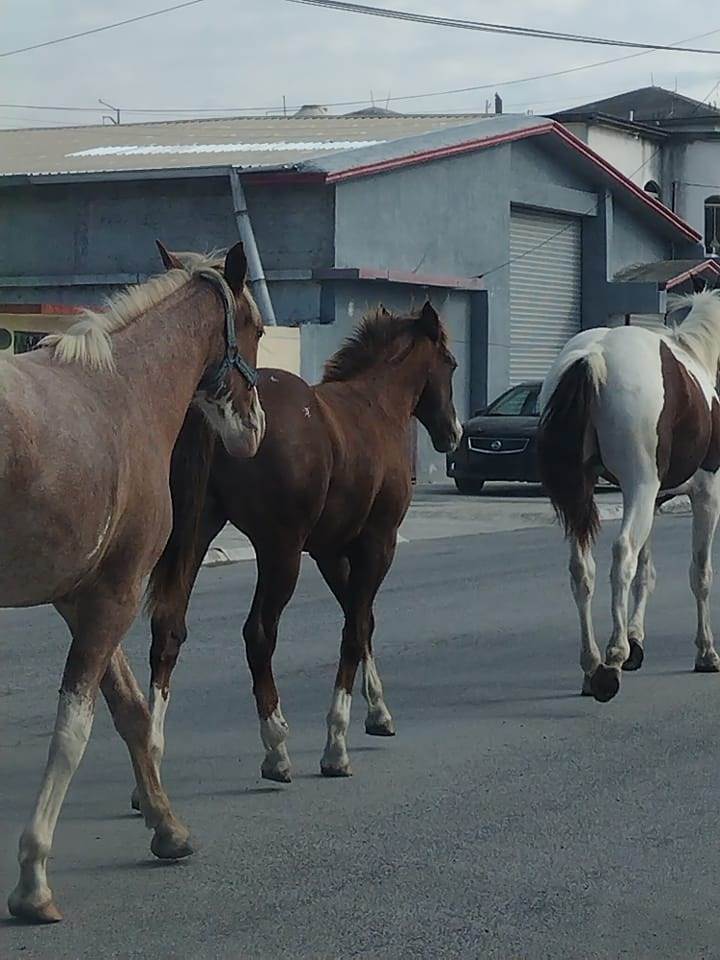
[{"x": 256, "y": 274}]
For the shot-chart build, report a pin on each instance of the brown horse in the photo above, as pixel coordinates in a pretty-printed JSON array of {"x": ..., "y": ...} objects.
[
  {"x": 89, "y": 424},
  {"x": 332, "y": 478}
]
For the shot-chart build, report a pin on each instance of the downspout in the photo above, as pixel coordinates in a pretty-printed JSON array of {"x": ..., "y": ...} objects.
[{"x": 256, "y": 274}]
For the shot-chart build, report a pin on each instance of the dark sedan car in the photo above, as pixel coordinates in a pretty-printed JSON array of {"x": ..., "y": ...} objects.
[{"x": 498, "y": 443}]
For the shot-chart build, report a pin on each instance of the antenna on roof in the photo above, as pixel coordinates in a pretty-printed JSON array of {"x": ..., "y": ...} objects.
[
  {"x": 387, "y": 102},
  {"x": 372, "y": 98},
  {"x": 116, "y": 119}
]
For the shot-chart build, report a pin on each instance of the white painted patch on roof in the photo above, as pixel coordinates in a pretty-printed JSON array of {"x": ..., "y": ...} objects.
[{"x": 153, "y": 149}]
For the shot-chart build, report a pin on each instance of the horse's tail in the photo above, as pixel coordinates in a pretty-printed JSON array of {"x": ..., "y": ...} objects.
[
  {"x": 566, "y": 470},
  {"x": 189, "y": 473}
]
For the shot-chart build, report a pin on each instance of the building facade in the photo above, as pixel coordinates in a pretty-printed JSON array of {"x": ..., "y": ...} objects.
[{"x": 513, "y": 226}]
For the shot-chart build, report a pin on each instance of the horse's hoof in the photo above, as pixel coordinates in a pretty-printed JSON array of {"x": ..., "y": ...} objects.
[
  {"x": 635, "y": 658},
  {"x": 29, "y": 913},
  {"x": 276, "y": 772},
  {"x": 335, "y": 770},
  {"x": 171, "y": 843},
  {"x": 380, "y": 728},
  {"x": 135, "y": 800},
  {"x": 707, "y": 665},
  {"x": 605, "y": 683}
]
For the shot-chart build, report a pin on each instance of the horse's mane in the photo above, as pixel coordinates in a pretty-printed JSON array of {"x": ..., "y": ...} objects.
[
  {"x": 377, "y": 331},
  {"x": 88, "y": 341},
  {"x": 699, "y": 331}
]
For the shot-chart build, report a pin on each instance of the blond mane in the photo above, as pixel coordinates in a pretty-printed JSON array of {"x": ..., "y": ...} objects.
[{"x": 88, "y": 341}]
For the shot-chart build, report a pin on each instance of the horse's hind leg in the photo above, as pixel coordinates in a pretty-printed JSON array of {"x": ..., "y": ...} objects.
[
  {"x": 370, "y": 558},
  {"x": 98, "y": 622},
  {"x": 642, "y": 586},
  {"x": 582, "y": 583},
  {"x": 638, "y": 513},
  {"x": 378, "y": 722},
  {"x": 278, "y": 570},
  {"x": 705, "y": 499},
  {"x": 169, "y": 633}
]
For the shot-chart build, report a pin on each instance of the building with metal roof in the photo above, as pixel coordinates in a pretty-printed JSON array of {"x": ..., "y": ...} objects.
[{"x": 511, "y": 224}]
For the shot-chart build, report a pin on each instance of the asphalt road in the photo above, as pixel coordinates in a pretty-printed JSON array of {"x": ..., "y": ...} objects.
[{"x": 508, "y": 819}]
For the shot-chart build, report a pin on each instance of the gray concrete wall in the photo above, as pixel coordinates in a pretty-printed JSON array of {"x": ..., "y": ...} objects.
[
  {"x": 695, "y": 167},
  {"x": 633, "y": 242},
  {"x": 293, "y": 224},
  {"x": 70, "y": 233},
  {"x": 109, "y": 228}
]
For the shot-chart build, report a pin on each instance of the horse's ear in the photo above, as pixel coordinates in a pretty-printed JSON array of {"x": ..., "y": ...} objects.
[
  {"x": 428, "y": 322},
  {"x": 170, "y": 261},
  {"x": 236, "y": 268}
]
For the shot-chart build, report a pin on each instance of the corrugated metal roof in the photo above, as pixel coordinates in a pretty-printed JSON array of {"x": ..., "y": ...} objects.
[{"x": 246, "y": 142}]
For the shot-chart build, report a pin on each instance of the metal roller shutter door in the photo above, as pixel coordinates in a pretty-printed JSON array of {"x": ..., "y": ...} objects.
[{"x": 545, "y": 289}]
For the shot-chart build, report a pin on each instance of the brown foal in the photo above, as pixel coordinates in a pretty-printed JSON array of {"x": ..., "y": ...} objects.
[{"x": 333, "y": 478}]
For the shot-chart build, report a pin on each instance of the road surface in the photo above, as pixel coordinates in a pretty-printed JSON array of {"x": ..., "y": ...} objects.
[{"x": 510, "y": 819}]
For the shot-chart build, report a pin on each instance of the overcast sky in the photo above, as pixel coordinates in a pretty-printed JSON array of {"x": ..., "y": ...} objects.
[{"x": 249, "y": 53}]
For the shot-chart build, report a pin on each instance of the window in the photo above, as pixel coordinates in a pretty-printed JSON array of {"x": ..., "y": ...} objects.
[
  {"x": 712, "y": 224},
  {"x": 520, "y": 401},
  {"x": 653, "y": 188}
]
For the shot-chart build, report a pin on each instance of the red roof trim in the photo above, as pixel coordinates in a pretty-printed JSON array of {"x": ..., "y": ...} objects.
[
  {"x": 624, "y": 181},
  {"x": 710, "y": 265},
  {"x": 552, "y": 126},
  {"x": 439, "y": 153}
]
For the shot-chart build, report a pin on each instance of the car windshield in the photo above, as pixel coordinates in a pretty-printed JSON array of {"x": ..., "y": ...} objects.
[{"x": 521, "y": 401}]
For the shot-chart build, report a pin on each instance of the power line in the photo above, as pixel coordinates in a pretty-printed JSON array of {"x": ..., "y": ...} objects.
[
  {"x": 108, "y": 26},
  {"x": 483, "y": 27},
  {"x": 353, "y": 103}
]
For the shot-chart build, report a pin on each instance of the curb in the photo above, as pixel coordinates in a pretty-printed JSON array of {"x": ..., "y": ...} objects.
[
  {"x": 679, "y": 506},
  {"x": 222, "y": 556}
]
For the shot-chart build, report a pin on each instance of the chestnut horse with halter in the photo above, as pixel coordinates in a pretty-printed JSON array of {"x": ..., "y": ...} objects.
[
  {"x": 638, "y": 407},
  {"x": 90, "y": 420},
  {"x": 332, "y": 478}
]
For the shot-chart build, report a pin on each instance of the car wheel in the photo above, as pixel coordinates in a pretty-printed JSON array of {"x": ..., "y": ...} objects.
[{"x": 469, "y": 487}]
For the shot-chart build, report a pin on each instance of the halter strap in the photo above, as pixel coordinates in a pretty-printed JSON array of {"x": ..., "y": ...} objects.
[{"x": 215, "y": 380}]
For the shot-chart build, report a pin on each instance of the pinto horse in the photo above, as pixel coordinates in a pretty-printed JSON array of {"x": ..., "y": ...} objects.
[
  {"x": 332, "y": 478},
  {"x": 640, "y": 408},
  {"x": 90, "y": 420}
]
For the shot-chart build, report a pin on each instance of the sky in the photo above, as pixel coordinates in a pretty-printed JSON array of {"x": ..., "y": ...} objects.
[{"x": 228, "y": 56}]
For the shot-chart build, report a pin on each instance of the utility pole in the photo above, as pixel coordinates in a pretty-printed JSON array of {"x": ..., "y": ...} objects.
[{"x": 116, "y": 119}]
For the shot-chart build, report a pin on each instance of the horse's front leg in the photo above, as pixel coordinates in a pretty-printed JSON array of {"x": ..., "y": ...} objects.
[{"x": 98, "y": 621}]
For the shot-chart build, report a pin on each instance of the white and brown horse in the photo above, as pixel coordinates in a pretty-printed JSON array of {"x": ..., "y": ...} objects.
[
  {"x": 638, "y": 407},
  {"x": 89, "y": 422}
]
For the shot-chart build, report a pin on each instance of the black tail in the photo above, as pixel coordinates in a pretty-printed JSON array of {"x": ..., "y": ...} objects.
[
  {"x": 568, "y": 478},
  {"x": 189, "y": 473}
]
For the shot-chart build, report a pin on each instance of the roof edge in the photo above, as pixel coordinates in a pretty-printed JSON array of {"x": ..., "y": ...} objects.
[
  {"x": 438, "y": 153},
  {"x": 668, "y": 215}
]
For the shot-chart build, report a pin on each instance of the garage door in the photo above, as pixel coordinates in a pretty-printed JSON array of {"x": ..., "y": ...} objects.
[{"x": 545, "y": 289}]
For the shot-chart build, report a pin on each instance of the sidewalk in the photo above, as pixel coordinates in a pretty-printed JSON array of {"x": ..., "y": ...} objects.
[{"x": 439, "y": 511}]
